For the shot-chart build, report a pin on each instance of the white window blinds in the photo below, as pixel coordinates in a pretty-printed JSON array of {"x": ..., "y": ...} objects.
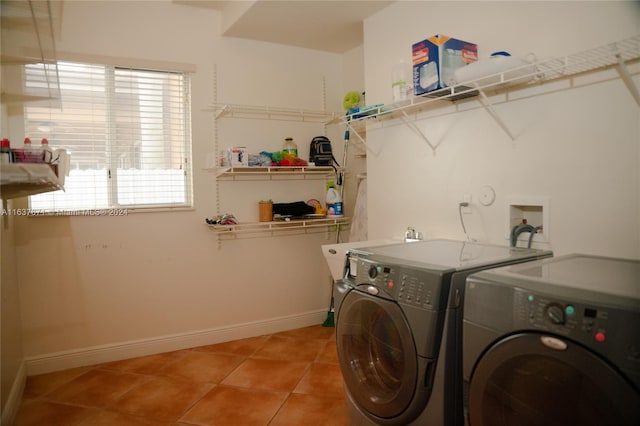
[{"x": 127, "y": 132}]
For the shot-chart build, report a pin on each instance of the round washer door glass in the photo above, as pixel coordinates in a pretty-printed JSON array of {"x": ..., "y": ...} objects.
[
  {"x": 520, "y": 381},
  {"x": 377, "y": 354}
]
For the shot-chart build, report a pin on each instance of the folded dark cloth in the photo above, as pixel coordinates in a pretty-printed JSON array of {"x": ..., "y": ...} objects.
[{"x": 297, "y": 208}]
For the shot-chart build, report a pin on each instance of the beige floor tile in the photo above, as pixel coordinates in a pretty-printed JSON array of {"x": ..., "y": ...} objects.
[
  {"x": 329, "y": 353},
  {"x": 95, "y": 388},
  {"x": 202, "y": 366},
  {"x": 312, "y": 332},
  {"x": 162, "y": 398},
  {"x": 44, "y": 383},
  {"x": 150, "y": 364},
  {"x": 37, "y": 413},
  {"x": 290, "y": 378},
  {"x": 311, "y": 410},
  {"x": 322, "y": 380},
  {"x": 267, "y": 374},
  {"x": 112, "y": 418},
  {"x": 243, "y": 347},
  {"x": 290, "y": 349},
  {"x": 224, "y": 406}
]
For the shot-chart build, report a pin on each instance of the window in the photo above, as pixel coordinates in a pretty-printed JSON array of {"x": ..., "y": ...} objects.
[{"x": 127, "y": 131}]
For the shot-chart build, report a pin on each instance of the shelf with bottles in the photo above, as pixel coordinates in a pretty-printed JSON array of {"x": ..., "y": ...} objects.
[
  {"x": 24, "y": 179},
  {"x": 31, "y": 170},
  {"x": 275, "y": 172},
  {"x": 619, "y": 55},
  {"x": 306, "y": 225}
]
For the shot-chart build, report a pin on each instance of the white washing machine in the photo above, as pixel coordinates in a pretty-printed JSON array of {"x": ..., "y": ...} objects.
[
  {"x": 398, "y": 328},
  {"x": 554, "y": 342}
]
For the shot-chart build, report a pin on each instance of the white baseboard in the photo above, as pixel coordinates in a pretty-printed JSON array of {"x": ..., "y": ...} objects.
[
  {"x": 106, "y": 353},
  {"x": 15, "y": 396}
]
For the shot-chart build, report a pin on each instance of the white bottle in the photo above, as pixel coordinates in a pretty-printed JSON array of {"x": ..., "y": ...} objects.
[
  {"x": 401, "y": 81},
  {"x": 47, "y": 152},
  {"x": 334, "y": 200}
]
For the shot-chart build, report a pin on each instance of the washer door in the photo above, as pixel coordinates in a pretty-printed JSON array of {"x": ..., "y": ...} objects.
[
  {"x": 377, "y": 354},
  {"x": 532, "y": 379}
]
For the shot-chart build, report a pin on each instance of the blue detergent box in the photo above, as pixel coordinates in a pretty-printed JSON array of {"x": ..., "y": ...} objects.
[{"x": 436, "y": 59}]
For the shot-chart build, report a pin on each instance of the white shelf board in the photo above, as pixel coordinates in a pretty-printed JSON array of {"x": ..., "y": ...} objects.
[
  {"x": 275, "y": 226},
  {"x": 300, "y": 172},
  {"x": 223, "y": 110},
  {"x": 24, "y": 179}
]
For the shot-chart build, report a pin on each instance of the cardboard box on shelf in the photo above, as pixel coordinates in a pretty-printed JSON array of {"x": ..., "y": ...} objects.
[
  {"x": 436, "y": 59},
  {"x": 238, "y": 156}
]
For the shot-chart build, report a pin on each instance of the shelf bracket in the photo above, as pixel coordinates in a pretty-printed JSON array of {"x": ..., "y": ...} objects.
[
  {"x": 486, "y": 104},
  {"x": 628, "y": 81},
  {"x": 409, "y": 123},
  {"x": 352, "y": 130}
]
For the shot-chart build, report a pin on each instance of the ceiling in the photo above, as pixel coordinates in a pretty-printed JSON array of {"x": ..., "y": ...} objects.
[{"x": 327, "y": 25}]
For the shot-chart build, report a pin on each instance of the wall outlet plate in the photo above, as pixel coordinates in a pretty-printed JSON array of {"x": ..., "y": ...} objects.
[{"x": 487, "y": 195}]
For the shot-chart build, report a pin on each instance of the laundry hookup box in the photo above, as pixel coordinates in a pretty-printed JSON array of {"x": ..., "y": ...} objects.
[{"x": 436, "y": 59}]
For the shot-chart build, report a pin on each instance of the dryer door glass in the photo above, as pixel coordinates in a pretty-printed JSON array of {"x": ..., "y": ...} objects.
[
  {"x": 520, "y": 381},
  {"x": 377, "y": 354}
]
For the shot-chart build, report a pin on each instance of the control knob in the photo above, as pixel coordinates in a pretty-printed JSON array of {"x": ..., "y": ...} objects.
[
  {"x": 373, "y": 272},
  {"x": 555, "y": 314}
]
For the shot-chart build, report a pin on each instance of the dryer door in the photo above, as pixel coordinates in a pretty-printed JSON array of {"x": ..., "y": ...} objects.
[
  {"x": 377, "y": 354},
  {"x": 533, "y": 379}
]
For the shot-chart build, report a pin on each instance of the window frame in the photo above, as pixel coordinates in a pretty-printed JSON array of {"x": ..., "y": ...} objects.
[{"x": 113, "y": 194}]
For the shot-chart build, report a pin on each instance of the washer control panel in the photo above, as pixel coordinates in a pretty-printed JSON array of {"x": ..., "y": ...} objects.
[
  {"x": 609, "y": 330},
  {"x": 561, "y": 317},
  {"x": 406, "y": 285}
]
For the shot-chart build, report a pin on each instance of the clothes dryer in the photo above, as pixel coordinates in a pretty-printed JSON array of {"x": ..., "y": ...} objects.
[
  {"x": 554, "y": 342},
  {"x": 398, "y": 328}
]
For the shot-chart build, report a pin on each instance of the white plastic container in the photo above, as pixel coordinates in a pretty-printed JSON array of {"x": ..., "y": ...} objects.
[
  {"x": 47, "y": 151},
  {"x": 500, "y": 67},
  {"x": 334, "y": 200},
  {"x": 401, "y": 81}
]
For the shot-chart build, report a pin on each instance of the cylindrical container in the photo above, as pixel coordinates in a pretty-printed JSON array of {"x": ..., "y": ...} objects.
[
  {"x": 265, "y": 211},
  {"x": 401, "y": 81},
  {"x": 334, "y": 200},
  {"x": 47, "y": 152},
  {"x": 289, "y": 149}
]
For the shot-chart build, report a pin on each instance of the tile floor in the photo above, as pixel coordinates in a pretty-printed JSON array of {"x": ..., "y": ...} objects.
[{"x": 289, "y": 378}]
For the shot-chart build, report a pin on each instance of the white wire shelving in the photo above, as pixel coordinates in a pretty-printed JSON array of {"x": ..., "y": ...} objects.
[
  {"x": 24, "y": 179},
  {"x": 275, "y": 172},
  {"x": 268, "y": 228},
  {"x": 619, "y": 55},
  {"x": 224, "y": 110}
]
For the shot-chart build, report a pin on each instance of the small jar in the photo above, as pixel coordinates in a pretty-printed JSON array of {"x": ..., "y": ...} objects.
[{"x": 290, "y": 149}]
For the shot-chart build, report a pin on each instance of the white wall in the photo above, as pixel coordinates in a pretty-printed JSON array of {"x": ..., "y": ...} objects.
[
  {"x": 578, "y": 149},
  {"x": 98, "y": 288},
  {"x": 11, "y": 328}
]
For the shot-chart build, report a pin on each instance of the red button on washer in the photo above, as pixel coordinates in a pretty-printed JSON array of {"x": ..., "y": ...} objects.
[
  {"x": 600, "y": 337},
  {"x": 390, "y": 284}
]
